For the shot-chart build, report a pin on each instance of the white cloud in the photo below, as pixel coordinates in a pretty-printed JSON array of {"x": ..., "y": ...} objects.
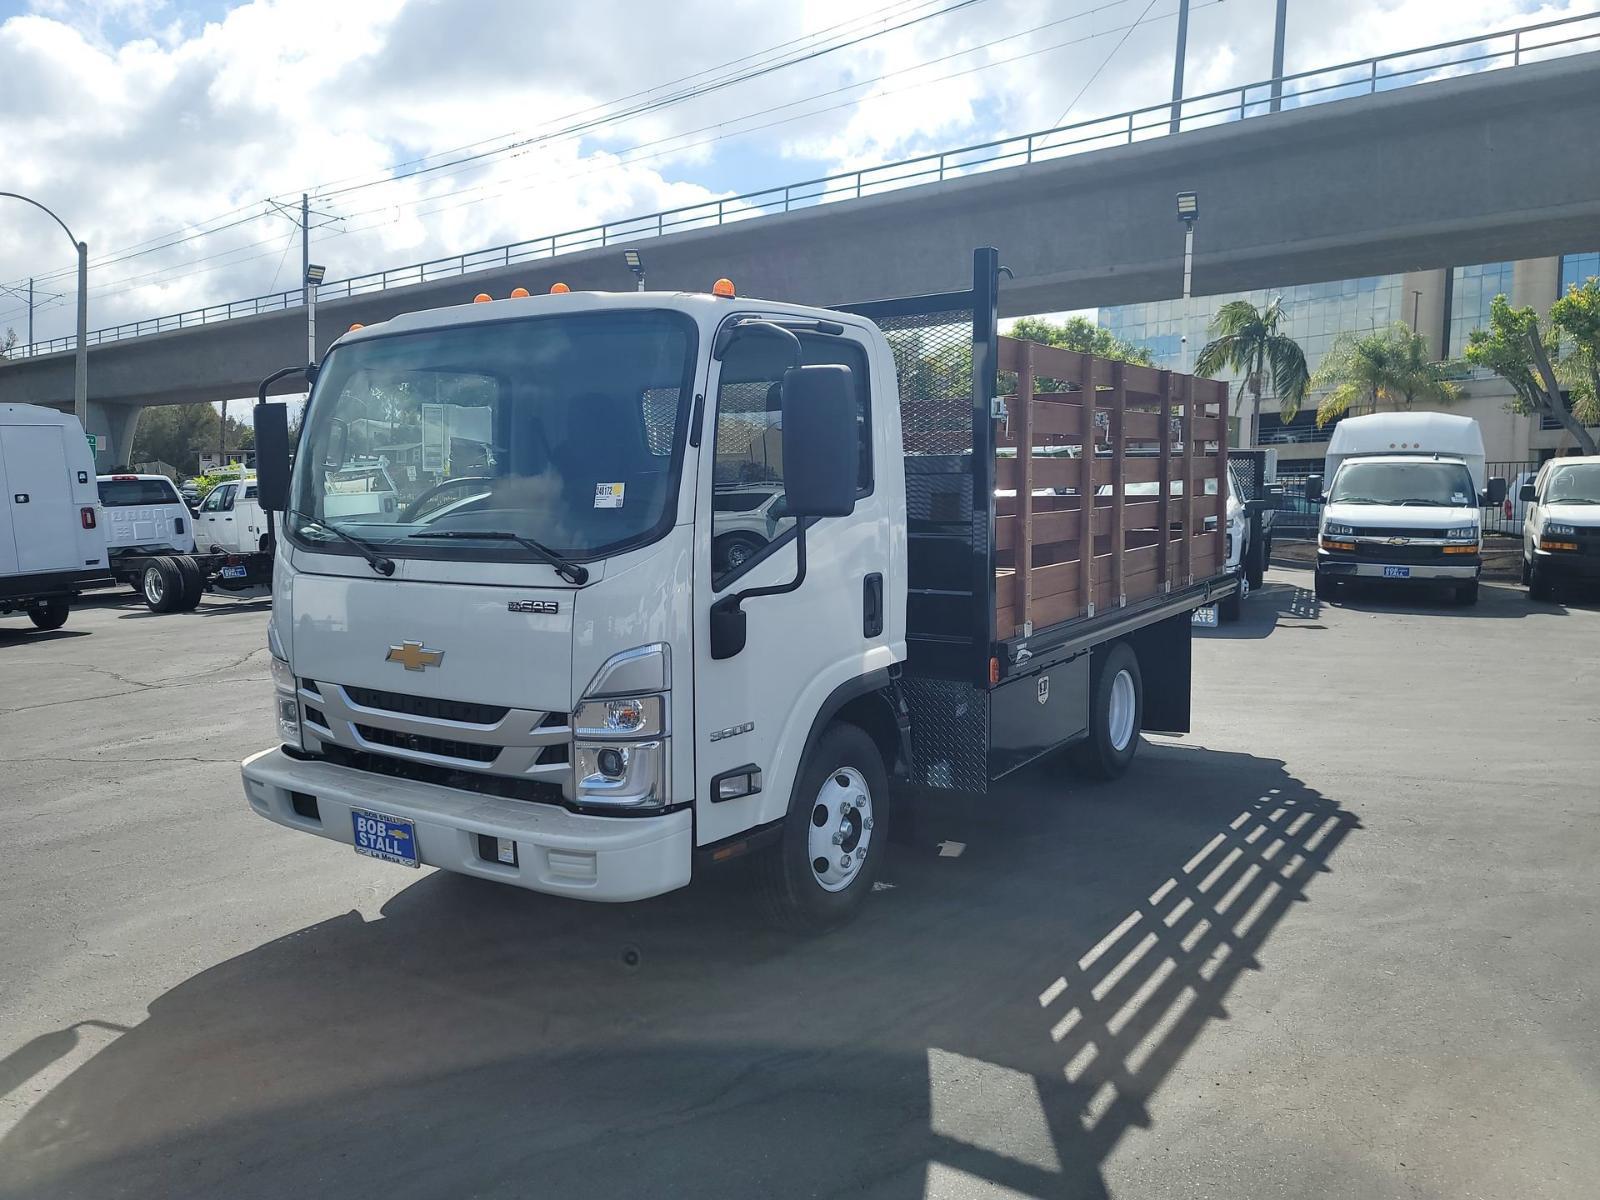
[{"x": 136, "y": 118}]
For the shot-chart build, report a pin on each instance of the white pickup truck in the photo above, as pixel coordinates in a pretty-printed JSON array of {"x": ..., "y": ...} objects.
[{"x": 556, "y": 680}]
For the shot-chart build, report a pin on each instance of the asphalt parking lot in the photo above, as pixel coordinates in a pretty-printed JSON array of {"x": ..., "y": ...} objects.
[{"x": 1340, "y": 941}]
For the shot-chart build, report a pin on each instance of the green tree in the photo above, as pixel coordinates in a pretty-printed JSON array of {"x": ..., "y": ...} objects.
[
  {"x": 179, "y": 433},
  {"x": 1251, "y": 341},
  {"x": 7, "y": 342},
  {"x": 1364, "y": 372},
  {"x": 1530, "y": 360},
  {"x": 1082, "y": 335}
]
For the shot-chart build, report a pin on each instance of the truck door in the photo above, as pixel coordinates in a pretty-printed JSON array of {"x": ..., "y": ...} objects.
[
  {"x": 756, "y": 707},
  {"x": 44, "y": 520},
  {"x": 209, "y": 527}
]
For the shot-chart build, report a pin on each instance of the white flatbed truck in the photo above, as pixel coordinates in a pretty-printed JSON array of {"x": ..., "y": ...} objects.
[{"x": 548, "y": 676}]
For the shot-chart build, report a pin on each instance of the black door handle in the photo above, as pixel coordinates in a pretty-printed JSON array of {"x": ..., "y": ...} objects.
[
  {"x": 21, "y": 497},
  {"x": 872, "y": 605}
]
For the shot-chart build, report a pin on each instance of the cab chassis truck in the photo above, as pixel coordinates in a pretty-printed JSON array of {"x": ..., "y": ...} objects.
[{"x": 604, "y": 728}]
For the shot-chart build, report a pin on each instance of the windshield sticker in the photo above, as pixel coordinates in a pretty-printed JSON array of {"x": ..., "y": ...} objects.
[
  {"x": 608, "y": 495},
  {"x": 1459, "y": 498}
]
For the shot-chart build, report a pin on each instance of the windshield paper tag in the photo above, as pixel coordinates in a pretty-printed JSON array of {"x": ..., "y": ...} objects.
[
  {"x": 608, "y": 495},
  {"x": 1460, "y": 499}
]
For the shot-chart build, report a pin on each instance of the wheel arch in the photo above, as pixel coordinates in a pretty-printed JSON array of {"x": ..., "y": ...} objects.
[{"x": 872, "y": 703}]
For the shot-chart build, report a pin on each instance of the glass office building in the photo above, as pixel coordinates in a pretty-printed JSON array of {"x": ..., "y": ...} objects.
[{"x": 1576, "y": 268}]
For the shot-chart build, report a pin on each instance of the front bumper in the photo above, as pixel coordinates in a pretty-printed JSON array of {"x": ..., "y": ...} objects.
[
  {"x": 559, "y": 852},
  {"x": 1576, "y": 565},
  {"x": 1440, "y": 572}
]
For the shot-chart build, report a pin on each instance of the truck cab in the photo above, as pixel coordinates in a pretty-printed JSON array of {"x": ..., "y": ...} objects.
[
  {"x": 1402, "y": 503},
  {"x": 144, "y": 514}
]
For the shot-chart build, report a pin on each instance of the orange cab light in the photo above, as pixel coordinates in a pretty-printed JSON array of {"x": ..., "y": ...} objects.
[
  {"x": 356, "y": 326},
  {"x": 519, "y": 293},
  {"x": 482, "y": 298},
  {"x": 1467, "y": 549},
  {"x": 559, "y": 289},
  {"x": 724, "y": 288}
]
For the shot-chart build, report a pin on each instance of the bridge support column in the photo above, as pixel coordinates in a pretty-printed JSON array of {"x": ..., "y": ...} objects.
[{"x": 113, "y": 425}]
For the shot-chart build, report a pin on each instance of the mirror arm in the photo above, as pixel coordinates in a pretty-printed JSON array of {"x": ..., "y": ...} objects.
[{"x": 727, "y": 618}]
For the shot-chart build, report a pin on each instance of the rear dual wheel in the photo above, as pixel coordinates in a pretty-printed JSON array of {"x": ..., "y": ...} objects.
[
  {"x": 173, "y": 584},
  {"x": 1116, "y": 713}
]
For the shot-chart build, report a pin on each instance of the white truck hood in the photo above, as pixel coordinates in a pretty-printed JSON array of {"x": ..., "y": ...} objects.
[
  {"x": 1400, "y": 516},
  {"x": 448, "y": 641},
  {"x": 1585, "y": 515}
]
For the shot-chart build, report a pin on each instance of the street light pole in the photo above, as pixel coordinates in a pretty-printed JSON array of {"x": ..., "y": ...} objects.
[
  {"x": 80, "y": 380},
  {"x": 1177, "y": 66},
  {"x": 1277, "y": 56}
]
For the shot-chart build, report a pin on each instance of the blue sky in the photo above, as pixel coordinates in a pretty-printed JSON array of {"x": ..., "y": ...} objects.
[{"x": 159, "y": 129}]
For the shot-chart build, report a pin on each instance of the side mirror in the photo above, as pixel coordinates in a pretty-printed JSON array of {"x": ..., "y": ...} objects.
[
  {"x": 1528, "y": 493},
  {"x": 819, "y": 439},
  {"x": 272, "y": 456},
  {"x": 1254, "y": 508},
  {"x": 1314, "y": 489},
  {"x": 1494, "y": 494}
]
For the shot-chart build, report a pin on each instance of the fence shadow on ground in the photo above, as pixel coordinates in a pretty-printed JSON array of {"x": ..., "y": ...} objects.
[{"x": 1002, "y": 1016}]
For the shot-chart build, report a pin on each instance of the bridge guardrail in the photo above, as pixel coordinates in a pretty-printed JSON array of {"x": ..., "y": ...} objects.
[{"x": 1367, "y": 76}]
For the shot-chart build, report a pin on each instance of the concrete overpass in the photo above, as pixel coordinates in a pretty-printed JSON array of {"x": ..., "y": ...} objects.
[{"x": 1482, "y": 168}]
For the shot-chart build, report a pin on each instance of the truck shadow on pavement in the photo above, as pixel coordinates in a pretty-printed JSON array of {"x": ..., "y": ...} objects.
[
  {"x": 1495, "y": 601},
  {"x": 1002, "y": 1016}
]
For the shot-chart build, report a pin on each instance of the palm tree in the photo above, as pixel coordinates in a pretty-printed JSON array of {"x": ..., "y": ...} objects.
[
  {"x": 1249, "y": 340},
  {"x": 1389, "y": 366}
]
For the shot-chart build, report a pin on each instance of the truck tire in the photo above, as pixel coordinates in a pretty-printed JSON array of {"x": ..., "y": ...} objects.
[
  {"x": 51, "y": 613},
  {"x": 1539, "y": 585},
  {"x": 1327, "y": 589},
  {"x": 163, "y": 586},
  {"x": 1231, "y": 608},
  {"x": 834, "y": 837},
  {"x": 194, "y": 583},
  {"x": 1467, "y": 593},
  {"x": 1116, "y": 708}
]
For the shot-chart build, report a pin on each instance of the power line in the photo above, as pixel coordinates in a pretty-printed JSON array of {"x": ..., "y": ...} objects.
[{"x": 1112, "y": 54}]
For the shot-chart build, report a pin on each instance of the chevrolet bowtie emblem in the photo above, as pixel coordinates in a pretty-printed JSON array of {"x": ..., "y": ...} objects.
[
  {"x": 1399, "y": 541},
  {"x": 413, "y": 656}
]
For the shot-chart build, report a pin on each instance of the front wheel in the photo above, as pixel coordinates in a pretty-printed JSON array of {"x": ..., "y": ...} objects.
[
  {"x": 1255, "y": 562},
  {"x": 1539, "y": 585},
  {"x": 51, "y": 613},
  {"x": 1467, "y": 593},
  {"x": 1231, "y": 608},
  {"x": 834, "y": 837},
  {"x": 1327, "y": 589},
  {"x": 1116, "y": 709}
]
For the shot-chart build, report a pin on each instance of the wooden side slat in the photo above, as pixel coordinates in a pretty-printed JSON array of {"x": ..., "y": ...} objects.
[
  {"x": 1086, "y": 487},
  {"x": 1222, "y": 474},
  {"x": 1024, "y": 519},
  {"x": 1059, "y": 526},
  {"x": 1051, "y": 418},
  {"x": 1207, "y": 429},
  {"x": 1164, "y": 499},
  {"x": 1139, "y": 425},
  {"x": 1119, "y": 502},
  {"x": 1186, "y": 552}
]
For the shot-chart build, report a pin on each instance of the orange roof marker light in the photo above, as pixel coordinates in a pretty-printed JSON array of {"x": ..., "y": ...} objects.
[
  {"x": 482, "y": 298},
  {"x": 519, "y": 293},
  {"x": 724, "y": 288},
  {"x": 559, "y": 289},
  {"x": 356, "y": 326}
]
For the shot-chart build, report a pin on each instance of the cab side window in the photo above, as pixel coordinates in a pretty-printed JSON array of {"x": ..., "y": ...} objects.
[
  {"x": 213, "y": 500},
  {"x": 747, "y": 513},
  {"x": 225, "y": 500}
]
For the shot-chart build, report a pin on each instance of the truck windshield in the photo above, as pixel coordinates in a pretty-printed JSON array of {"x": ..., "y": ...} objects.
[
  {"x": 1444, "y": 484},
  {"x": 1578, "y": 484},
  {"x": 565, "y": 430}
]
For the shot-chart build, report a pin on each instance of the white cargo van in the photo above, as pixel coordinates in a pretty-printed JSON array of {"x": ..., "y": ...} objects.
[
  {"x": 50, "y": 537},
  {"x": 1402, "y": 503}
]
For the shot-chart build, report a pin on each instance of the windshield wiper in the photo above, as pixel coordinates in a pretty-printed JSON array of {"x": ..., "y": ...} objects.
[
  {"x": 1356, "y": 500},
  {"x": 383, "y": 566},
  {"x": 1571, "y": 500},
  {"x": 572, "y": 572}
]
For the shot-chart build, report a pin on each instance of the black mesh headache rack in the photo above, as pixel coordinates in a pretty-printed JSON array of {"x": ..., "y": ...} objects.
[{"x": 990, "y": 619}]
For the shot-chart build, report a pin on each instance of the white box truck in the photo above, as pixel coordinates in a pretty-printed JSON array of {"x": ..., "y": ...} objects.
[
  {"x": 51, "y": 542},
  {"x": 1401, "y": 505},
  {"x": 547, "y": 670}
]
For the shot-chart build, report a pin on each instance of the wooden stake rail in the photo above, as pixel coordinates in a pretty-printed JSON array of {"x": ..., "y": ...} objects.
[{"x": 1156, "y": 462}]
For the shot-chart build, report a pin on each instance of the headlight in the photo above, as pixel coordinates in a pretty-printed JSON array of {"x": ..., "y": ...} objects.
[
  {"x": 1338, "y": 529},
  {"x": 285, "y": 701},
  {"x": 274, "y": 642},
  {"x": 623, "y": 717},
  {"x": 625, "y": 775},
  {"x": 1462, "y": 533},
  {"x": 1560, "y": 527}
]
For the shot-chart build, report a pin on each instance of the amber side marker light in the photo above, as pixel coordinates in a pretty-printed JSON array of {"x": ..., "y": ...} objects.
[{"x": 724, "y": 288}]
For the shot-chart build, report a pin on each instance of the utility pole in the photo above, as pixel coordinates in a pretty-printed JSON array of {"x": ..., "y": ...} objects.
[
  {"x": 30, "y": 312},
  {"x": 1177, "y": 66},
  {"x": 1277, "y": 56},
  {"x": 305, "y": 281}
]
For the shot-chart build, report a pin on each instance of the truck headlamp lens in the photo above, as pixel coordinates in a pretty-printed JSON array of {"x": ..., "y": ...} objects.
[
  {"x": 1462, "y": 533},
  {"x": 1338, "y": 529},
  {"x": 1560, "y": 527},
  {"x": 286, "y": 702},
  {"x": 626, "y": 717}
]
